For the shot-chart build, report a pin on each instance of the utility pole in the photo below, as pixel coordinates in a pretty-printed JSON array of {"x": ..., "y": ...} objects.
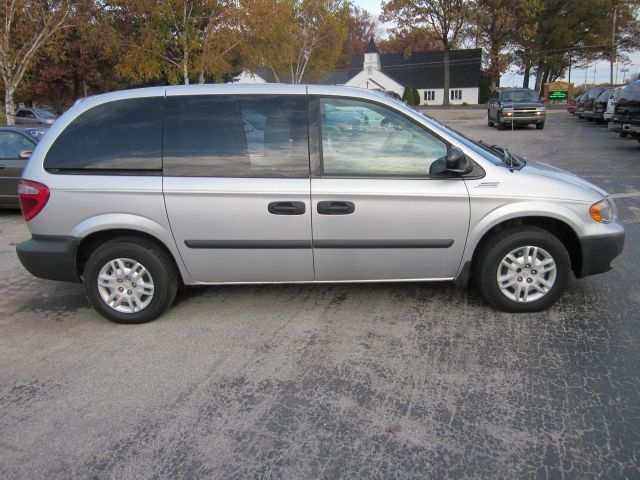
[
  {"x": 570, "y": 60},
  {"x": 613, "y": 43}
]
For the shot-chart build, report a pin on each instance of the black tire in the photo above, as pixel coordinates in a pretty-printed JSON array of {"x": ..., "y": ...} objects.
[
  {"x": 540, "y": 126},
  {"x": 495, "y": 248},
  {"x": 623, "y": 134},
  {"x": 489, "y": 122},
  {"x": 157, "y": 263},
  {"x": 499, "y": 123}
]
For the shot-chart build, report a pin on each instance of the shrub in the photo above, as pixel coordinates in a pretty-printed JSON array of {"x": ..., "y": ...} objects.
[{"x": 411, "y": 96}]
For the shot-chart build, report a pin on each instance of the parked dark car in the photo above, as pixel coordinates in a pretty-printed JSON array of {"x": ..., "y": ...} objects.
[
  {"x": 590, "y": 101},
  {"x": 515, "y": 106},
  {"x": 600, "y": 105},
  {"x": 580, "y": 104},
  {"x": 573, "y": 103},
  {"x": 626, "y": 116},
  {"x": 16, "y": 145}
]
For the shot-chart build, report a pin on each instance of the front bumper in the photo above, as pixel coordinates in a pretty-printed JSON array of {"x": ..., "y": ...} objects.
[
  {"x": 599, "y": 251},
  {"x": 523, "y": 119},
  {"x": 50, "y": 257}
]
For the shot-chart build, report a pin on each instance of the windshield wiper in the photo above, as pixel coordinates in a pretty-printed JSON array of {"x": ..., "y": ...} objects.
[{"x": 510, "y": 160}]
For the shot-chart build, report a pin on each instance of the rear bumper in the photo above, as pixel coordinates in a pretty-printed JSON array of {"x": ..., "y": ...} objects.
[
  {"x": 50, "y": 257},
  {"x": 599, "y": 251}
]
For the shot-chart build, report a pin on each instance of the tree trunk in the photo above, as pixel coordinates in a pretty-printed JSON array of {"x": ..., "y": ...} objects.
[
  {"x": 527, "y": 72},
  {"x": 9, "y": 106},
  {"x": 494, "y": 67},
  {"x": 445, "y": 100},
  {"x": 539, "y": 73},
  {"x": 201, "y": 77},
  {"x": 545, "y": 79},
  {"x": 185, "y": 67},
  {"x": 493, "y": 83}
]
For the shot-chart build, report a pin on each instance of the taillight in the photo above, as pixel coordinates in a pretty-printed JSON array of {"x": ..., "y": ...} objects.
[{"x": 33, "y": 197}]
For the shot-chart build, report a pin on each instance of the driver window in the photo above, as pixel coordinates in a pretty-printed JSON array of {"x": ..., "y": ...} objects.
[{"x": 360, "y": 138}]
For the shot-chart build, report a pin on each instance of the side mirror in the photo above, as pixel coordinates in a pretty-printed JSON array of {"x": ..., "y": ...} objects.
[
  {"x": 25, "y": 154},
  {"x": 457, "y": 162}
]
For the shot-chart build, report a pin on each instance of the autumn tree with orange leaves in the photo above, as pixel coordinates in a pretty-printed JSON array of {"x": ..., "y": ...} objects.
[{"x": 26, "y": 26}]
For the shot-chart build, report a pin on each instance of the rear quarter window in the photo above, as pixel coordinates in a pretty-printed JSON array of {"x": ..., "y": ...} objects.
[{"x": 121, "y": 136}]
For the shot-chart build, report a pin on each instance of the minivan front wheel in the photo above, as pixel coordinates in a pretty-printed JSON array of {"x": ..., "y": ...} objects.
[
  {"x": 522, "y": 269},
  {"x": 130, "y": 280}
]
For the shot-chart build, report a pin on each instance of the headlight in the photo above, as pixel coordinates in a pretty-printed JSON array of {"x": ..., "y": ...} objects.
[
  {"x": 541, "y": 109},
  {"x": 603, "y": 211},
  {"x": 507, "y": 109}
]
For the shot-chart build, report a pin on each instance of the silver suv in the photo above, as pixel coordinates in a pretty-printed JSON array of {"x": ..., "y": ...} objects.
[{"x": 135, "y": 193}]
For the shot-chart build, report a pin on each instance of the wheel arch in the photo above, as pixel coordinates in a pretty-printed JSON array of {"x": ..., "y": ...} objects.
[
  {"x": 89, "y": 243},
  {"x": 562, "y": 230}
]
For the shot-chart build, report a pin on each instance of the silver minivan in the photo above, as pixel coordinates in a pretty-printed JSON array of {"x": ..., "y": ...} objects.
[{"x": 138, "y": 192}]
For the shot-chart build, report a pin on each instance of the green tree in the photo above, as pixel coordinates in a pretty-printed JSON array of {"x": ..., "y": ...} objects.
[
  {"x": 411, "y": 96},
  {"x": 27, "y": 27},
  {"x": 568, "y": 32}
]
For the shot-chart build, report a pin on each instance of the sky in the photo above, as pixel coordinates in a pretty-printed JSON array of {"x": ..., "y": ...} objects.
[{"x": 512, "y": 78}]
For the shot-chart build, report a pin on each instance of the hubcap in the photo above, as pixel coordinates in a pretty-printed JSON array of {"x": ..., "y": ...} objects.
[
  {"x": 526, "y": 274},
  {"x": 125, "y": 285}
]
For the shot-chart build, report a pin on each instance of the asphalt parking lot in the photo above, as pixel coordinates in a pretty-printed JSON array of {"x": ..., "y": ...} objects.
[{"x": 336, "y": 381}]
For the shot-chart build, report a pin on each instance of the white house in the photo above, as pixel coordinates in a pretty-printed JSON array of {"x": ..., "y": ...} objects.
[
  {"x": 248, "y": 77},
  {"x": 422, "y": 70}
]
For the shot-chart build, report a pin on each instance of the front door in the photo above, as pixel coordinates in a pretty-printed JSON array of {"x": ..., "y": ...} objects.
[
  {"x": 236, "y": 186},
  {"x": 381, "y": 210}
]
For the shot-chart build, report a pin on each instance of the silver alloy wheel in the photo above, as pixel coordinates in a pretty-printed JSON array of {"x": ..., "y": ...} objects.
[
  {"x": 526, "y": 274},
  {"x": 125, "y": 285}
]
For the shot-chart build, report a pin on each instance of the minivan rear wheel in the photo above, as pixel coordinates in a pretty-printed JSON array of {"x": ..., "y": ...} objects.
[
  {"x": 130, "y": 280},
  {"x": 522, "y": 269}
]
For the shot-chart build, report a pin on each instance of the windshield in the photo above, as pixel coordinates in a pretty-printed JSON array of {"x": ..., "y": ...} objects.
[
  {"x": 594, "y": 92},
  {"x": 482, "y": 150},
  {"x": 604, "y": 96},
  {"x": 43, "y": 113},
  {"x": 631, "y": 91},
  {"x": 520, "y": 96}
]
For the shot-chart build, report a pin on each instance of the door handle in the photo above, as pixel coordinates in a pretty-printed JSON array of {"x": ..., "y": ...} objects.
[
  {"x": 336, "y": 208},
  {"x": 287, "y": 208}
]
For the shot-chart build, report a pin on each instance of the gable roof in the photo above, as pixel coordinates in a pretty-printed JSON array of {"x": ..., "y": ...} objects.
[{"x": 423, "y": 70}]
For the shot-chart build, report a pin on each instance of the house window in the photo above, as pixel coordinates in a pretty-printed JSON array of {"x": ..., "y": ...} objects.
[
  {"x": 455, "y": 94},
  {"x": 429, "y": 95}
]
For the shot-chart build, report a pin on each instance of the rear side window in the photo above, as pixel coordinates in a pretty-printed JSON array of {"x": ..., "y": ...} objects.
[
  {"x": 236, "y": 136},
  {"x": 123, "y": 136}
]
